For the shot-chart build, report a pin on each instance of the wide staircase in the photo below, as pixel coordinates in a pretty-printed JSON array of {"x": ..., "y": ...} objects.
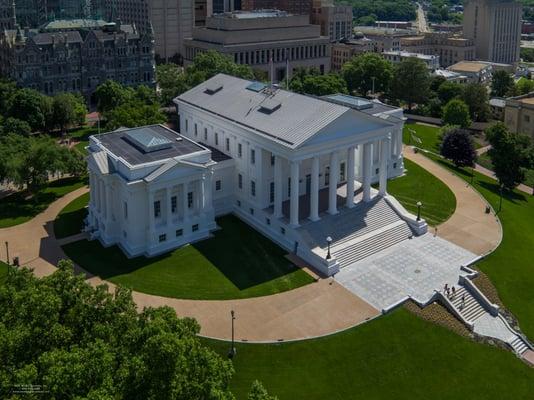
[
  {"x": 467, "y": 305},
  {"x": 358, "y": 232}
]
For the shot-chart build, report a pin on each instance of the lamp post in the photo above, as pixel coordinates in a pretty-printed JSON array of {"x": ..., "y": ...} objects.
[
  {"x": 328, "y": 241},
  {"x": 7, "y": 252},
  {"x": 419, "y": 204},
  {"x": 232, "y": 351},
  {"x": 373, "y": 79}
]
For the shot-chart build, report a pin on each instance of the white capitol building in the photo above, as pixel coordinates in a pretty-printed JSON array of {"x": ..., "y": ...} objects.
[{"x": 297, "y": 168}]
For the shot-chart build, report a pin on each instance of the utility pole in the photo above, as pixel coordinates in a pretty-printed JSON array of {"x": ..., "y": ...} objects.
[{"x": 232, "y": 351}]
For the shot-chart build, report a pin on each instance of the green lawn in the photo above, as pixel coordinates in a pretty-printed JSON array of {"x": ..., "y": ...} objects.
[
  {"x": 3, "y": 272},
  {"x": 426, "y": 133},
  {"x": 237, "y": 262},
  {"x": 438, "y": 200},
  {"x": 510, "y": 267},
  {"x": 485, "y": 161},
  {"x": 398, "y": 356},
  {"x": 70, "y": 220},
  {"x": 18, "y": 208},
  {"x": 82, "y": 135}
]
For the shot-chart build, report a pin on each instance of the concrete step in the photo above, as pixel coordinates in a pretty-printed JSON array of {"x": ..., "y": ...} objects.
[{"x": 519, "y": 345}]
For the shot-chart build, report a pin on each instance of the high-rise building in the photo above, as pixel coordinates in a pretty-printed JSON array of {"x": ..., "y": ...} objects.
[
  {"x": 495, "y": 27},
  {"x": 296, "y": 7},
  {"x": 7, "y": 14},
  {"x": 335, "y": 20}
]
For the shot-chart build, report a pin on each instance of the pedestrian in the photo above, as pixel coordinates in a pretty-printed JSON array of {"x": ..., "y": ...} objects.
[
  {"x": 453, "y": 292},
  {"x": 446, "y": 287},
  {"x": 463, "y": 302}
]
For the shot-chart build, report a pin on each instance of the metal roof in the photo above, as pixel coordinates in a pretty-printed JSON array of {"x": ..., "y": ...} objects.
[
  {"x": 118, "y": 143},
  {"x": 295, "y": 120}
]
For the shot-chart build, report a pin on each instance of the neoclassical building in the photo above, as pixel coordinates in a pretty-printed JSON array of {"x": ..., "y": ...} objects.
[{"x": 297, "y": 168}]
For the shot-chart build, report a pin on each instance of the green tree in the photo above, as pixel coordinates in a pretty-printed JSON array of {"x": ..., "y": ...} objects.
[
  {"x": 511, "y": 154},
  {"x": 411, "y": 82},
  {"x": 457, "y": 146},
  {"x": 68, "y": 110},
  {"x": 15, "y": 126},
  {"x": 210, "y": 63},
  {"x": 85, "y": 342},
  {"x": 524, "y": 86},
  {"x": 449, "y": 90},
  {"x": 360, "y": 71},
  {"x": 171, "y": 81},
  {"x": 146, "y": 95},
  {"x": 27, "y": 105},
  {"x": 133, "y": 113},
  {"x": 7, "y": 90},
  {"x": 501, "y": 83},
  {"x": 456, "y": 113},
  {"x": 110, "y": 95},
  {"x": 318, "y": 85},
  {"x": 258, "y": 392},
  {"x": 476, "y": 97}
]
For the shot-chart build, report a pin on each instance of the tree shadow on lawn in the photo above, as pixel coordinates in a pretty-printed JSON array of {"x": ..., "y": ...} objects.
[
  {"x": 69, "y": 223},
  {"x": 242, "y": 255}
]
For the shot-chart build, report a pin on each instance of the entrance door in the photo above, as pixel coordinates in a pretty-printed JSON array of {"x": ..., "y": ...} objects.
[{"x": 308, "y": 184}]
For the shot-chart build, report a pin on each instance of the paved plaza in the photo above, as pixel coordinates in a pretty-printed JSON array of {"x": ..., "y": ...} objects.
[{"x": 414, "y": 268}]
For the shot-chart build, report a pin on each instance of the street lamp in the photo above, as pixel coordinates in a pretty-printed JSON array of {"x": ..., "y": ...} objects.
[
  {"x": 328, "y": 241},
  {"x": 232, "y": 351},
  {"x": 7, "y": 252},
  {"x": 419, "y": 204}
]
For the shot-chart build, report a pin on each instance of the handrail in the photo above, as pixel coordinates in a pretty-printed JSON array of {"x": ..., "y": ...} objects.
[
  {"x": 454, "y": 310},
  {"x": 493, "y": 308}
]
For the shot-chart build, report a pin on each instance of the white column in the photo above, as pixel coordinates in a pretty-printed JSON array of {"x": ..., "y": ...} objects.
[
  {"x": 278, "y": 190},
  {"x": 168, "y": 195},
  {"x": 384, "y": 156},
  {"x": 367, "y": 163},
  {"x": 294, "y": 199},
  {"x": 332, "y": 187},
  {"x": 184, "y": 200},
  {"x": 202, "y": 199},
  {"x": 208, "y": 190},
  {"x": 314, "y": 190},
  {"x": 350, "y": 177},
  {"x": 109, "y": 202},
  {"x": 151, "y": 212},
  {"x": 399, "y": 143}
]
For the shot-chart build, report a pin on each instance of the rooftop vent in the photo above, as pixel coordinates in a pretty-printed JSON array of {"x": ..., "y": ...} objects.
[
  {"x": 147, "y": 140},
  {"x": 213, "y": 88},
  {"x": 256, "y": 86},
  {"x": 269, "y": 106}
]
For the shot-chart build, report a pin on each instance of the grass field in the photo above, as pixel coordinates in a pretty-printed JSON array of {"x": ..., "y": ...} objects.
[
  {"x": 237, "y": 262},
  {"x": 70, "y": 220},
  {"x": 17, "y": 208},
  {"x": 485, "y": 161},
  {"x": 397, "y": 356},
  {"x": 82, "y": 135},
  {"x": 510, "y": 267},
  {"x": 438, "y": 201},
  {"x": 428, "y": 135}
]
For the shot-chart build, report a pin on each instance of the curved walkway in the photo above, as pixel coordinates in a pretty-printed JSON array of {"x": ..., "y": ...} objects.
[
  {"x": 469, "y": 227},
  {"x": 317, "y": 309}
]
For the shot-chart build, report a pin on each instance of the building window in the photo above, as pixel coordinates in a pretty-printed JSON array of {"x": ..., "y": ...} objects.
[
  {"x": 186, "y": 125},
  {"x": 527, "y": 118},
  {"x": 253, "y": 188},
  {"x": 268, "y": 221},
  {"x": 282, "y": 230},
  {"x": 216, "y": 139},
  {"x": 189, "y": 199},
  {"x": 239, "y": 150},
  {"x": 327, "y": 176},
  {"x": 218, "y": 185},
  {"x": 272, "y": 159},
  {"x": 196, "y": 130},
  {"x": 271, "y": 192},
  {"x": 395, "y": 165},
  {"x": 162, "y": 238},
  {"x": 157, "y": 209},
  {"x": 253, "y": 156},
  {"x": 174, "y": 204},
  {"x": 227, "y": 144},
  {"x": 125, "y": 210},
  {"x": 342, "y": 172},
  {"x": 288, "y": 187},
  {"x": 206, "y": 134},
  {"x": 239, "y": 203},
  {"x": 179, "y": 232},
  {"x": 194, "y": 228},
  {"x": 377, "y": 171},
  {"x": 240, "y": 181},
  {"x": 251, "y": 210}
]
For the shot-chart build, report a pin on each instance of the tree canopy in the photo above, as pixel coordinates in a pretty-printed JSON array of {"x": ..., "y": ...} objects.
[
  {"x": 501, "y": 83},
  {"x": 311, "y": 82},
  {"x": 411, "y": 82},
  {"x": 385, "y": 10},
  {"x": 360, "y": 71},
  {"x": 80, "y": 341},
  {"x": 449, "y": 90},
  {"x": 457, "y": 146},
  {"x": 511, "y": 154},
  {"x": 456, "y": 113},
  {"x": 475, "y": 95}
]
